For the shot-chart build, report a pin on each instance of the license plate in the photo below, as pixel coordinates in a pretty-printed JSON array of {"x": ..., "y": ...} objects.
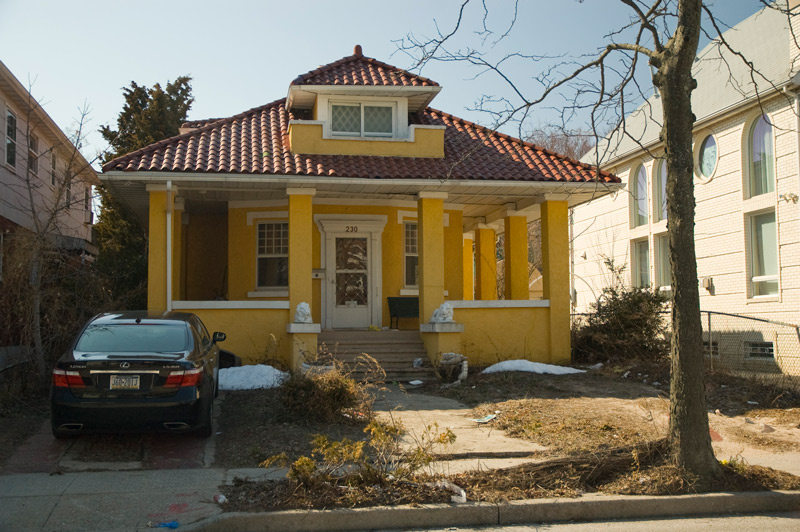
[{"x": 124, "y": 382}]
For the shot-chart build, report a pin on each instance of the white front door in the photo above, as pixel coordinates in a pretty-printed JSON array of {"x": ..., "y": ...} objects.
[
  {"x": 351, "y": 279},
  {"x": 351, "y": 260}
]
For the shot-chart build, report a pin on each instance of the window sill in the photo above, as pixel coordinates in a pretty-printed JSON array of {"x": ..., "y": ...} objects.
[
  {"x": 269, "y": 292},
  {"x": 764, "y": 299}
]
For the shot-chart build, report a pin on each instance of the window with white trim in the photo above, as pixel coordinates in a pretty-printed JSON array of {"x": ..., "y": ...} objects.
[
  {"x": 641, "y": 198},
  {"x": 661, "y": 191},
  {"x": 362, "y": 119},
  {"x": 761, "y": 157},
  {"x": 411, "y": 255},
  {"x": 763, "y": 255},
  {"x": 53, "y": 164},
  {"x": 272, "y": 255},
  {"x": 11, "y": 138},
  {"x": 663, "y": 276},
  {"x": 33, "y": 154},
  {"x": 68, "y": 195},
  {"x": 641, "y": 263},
  {"x": 707, "y": 157}
]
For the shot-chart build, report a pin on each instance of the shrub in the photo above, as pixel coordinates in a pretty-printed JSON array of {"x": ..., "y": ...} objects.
[
  {"x": 380, "y": 459},
  {"x": 625, "y": 324},
  {"x": 327, "y": 393}
]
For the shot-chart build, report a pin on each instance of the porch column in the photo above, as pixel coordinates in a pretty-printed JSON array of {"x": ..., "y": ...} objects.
[
  {"x": 177, "y": 248},
  {"x": 303, "y": 336},
  {"x": 430, "y": 232},
  {"x": 468, "y": 259},
  {"x": 485, "y": 263},
  {"x": 555, "y": 276},
  {"x": 157, "y": 249},
  {"x": 516, "y": 256}
]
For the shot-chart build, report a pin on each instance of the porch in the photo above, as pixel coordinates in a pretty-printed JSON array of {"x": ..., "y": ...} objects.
[{"x": 345, "y": 259}]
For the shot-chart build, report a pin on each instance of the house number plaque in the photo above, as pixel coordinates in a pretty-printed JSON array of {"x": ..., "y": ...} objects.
[{"x": 351, "y": 229}]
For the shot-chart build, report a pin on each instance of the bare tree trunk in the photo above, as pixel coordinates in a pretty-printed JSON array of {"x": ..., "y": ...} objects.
[
  {"x": 36, "y": 318},
  {"x": 689, "y": 438}
]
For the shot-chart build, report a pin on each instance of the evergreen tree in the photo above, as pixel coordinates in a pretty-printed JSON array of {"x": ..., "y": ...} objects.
[{"x": 148, "y": 115}]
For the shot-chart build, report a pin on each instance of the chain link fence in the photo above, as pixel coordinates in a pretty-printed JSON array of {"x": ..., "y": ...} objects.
[
  {"x": 755, "y": 348},
  {"x": 762, "y": 350}
]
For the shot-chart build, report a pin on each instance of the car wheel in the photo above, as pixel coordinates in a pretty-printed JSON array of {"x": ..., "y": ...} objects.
[{"x": 207, "y": 423}]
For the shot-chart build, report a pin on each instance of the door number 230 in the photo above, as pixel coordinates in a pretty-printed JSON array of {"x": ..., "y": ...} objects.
[{"x": 351, "y": 229}]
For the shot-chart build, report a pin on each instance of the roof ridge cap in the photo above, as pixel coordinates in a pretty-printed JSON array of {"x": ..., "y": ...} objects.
[{"x": 211, "y": 125}]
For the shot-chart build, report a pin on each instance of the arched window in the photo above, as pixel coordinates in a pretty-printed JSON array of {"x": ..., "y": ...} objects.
[
  {"x": 661, "y": 191},
  {"x": 640, "y": 197},
  {"x": 762, "y": 157}
]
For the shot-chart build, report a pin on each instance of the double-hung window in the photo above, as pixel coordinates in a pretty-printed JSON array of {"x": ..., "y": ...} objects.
[
  {"x": 411, "y": 255},
  {"x": 663, "y": 275},
  {"x": 53, "y": 164},
  {"x": 362, "y": 120},
  {"x": 273, "y": 255},
  {"x": 33, "y": 154},
  {"x": 641, "y": 264},
  {"x": 764, "y": 255},
  {"x": 11, "y": 138}
]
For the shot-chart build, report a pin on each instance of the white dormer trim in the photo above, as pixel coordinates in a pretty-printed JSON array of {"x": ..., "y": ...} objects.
[{"x": 399, "y": 113}]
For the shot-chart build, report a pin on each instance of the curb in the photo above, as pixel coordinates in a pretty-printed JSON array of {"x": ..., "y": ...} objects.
[{"x": 590, "y": 507}]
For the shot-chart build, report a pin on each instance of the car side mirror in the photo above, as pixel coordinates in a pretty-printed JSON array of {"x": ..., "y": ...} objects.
[{"x": 218, "y": 337}]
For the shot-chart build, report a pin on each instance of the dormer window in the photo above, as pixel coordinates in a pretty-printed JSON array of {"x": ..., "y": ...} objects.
[{"x": 362, "y": 119}]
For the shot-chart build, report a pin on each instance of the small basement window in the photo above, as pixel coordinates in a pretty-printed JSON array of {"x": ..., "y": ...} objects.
[{"x": 760, "y": 350}]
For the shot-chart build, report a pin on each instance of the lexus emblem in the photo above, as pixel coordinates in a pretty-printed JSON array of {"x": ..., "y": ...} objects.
[{"x": 124, "y": 365}]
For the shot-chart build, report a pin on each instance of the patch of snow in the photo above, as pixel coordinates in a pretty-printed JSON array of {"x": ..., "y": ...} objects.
[
  {"x": 531, "y": 367},
  {"x": 250, "y": 377}
]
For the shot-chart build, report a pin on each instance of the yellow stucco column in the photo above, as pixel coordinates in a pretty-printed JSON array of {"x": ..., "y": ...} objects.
[
  {"x": 468, "y": 259},
  {"x": 430, "y": 232},
  {"x": 555, "y": 276},
  {"x": 303, "y": 336},
  {"x": 177, "y": 249},
  {"x": 157, "y": 252},
  {"x": 485, "y": 263},
  {"x": 515, "y": 245},
  {"x": 300, "y": 253}
]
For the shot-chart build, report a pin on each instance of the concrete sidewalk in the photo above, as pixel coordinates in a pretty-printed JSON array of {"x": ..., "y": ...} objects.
[{"x": 114, "y": 500}]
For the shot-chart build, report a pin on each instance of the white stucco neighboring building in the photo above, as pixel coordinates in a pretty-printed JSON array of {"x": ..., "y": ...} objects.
[
  {"x": 747, "y": 155},
  {"x": 36, "y": 157}
]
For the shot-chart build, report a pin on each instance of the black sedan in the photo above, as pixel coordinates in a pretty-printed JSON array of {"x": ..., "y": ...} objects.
[{"x": 131, "y": 371}]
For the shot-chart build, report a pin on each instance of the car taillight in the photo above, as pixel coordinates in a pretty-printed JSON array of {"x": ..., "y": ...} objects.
[
  {"x": 67, "y": 379},
  {"x": 179, "y": 379}
]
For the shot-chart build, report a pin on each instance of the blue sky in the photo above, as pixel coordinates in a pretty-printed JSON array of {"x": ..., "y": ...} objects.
[{"x": 242, "y": 54}]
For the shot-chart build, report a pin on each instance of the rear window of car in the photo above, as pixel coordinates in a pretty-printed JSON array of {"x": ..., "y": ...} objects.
[{"x": 143, "y": 337}]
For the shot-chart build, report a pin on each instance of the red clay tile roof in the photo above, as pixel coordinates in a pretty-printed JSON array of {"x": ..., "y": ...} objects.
[
  {"x": 256, "y": 142},
  {"x": 357, "y": 69}
]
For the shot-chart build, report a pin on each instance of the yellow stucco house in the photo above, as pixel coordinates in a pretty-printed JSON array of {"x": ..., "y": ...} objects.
[{"x": 349, "y": 191}]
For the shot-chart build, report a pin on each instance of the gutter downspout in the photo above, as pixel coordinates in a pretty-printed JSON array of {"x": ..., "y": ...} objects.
[{"x": 169, "y": 246}]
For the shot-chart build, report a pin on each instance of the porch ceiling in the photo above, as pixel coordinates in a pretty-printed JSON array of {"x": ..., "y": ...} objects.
[{"x": 482, "y": 201}]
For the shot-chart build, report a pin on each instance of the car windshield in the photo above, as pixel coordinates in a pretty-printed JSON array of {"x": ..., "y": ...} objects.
[{"x": 143, "y": 337}]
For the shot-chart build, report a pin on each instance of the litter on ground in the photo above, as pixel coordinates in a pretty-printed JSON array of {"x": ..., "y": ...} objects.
[{"x": 485, "y": 419}]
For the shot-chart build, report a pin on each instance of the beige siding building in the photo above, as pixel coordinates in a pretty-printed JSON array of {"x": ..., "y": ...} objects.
[
  {"x": 41, "y": 172},
  {"x": 747, "y": 183}
]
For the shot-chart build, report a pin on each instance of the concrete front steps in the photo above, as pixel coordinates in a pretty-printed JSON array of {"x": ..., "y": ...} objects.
[{"x": 394, "y": 350}]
